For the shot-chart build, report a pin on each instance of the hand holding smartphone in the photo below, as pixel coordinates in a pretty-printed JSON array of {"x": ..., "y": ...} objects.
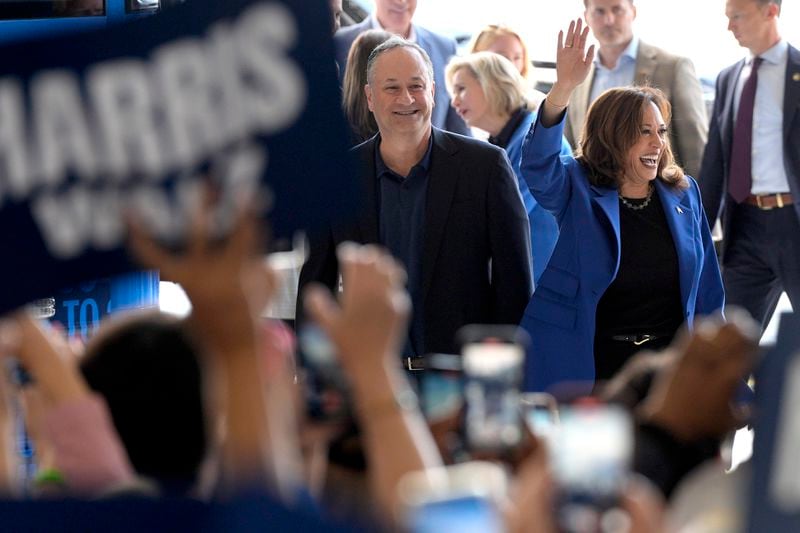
[
  {"x": 540, "y": 413},
  {"x": 462, "y": 498},
  {"x": 591, "y": 454},
  {"x": 492, "y": 357},
  {"x": 324, "y": 382}
]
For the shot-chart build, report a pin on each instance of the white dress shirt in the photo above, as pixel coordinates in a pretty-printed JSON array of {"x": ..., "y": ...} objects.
[
  {"x": 769, "y": 174},
  {"x": 375, "y": 24},
  {"x": 621, "y": 75}
]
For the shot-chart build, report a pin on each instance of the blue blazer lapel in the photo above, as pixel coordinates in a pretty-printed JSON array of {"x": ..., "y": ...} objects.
[
  {"x": 680, "y": 218},
  {"x": 607, "y": 201}
]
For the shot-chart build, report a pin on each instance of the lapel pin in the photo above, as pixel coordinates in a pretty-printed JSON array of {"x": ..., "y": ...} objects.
[
  {"x": 679, "y": 210},
  {"x": 796, "y": 76}
]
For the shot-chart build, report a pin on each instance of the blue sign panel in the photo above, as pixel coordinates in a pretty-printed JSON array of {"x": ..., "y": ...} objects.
[
  {"x": 134, "y": 120},
  {"x": 80, "y": 309},
  {"x": 27, "y": 19},
  {"x": 775, "y": 488}
]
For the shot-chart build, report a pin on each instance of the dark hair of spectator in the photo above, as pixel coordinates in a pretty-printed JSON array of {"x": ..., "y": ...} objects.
[
  {"x": 147, "y": 369},
  {"x": 354, "y": 101}
]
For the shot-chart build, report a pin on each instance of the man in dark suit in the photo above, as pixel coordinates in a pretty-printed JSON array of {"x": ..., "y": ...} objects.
[
  {"x": 395, "y": 16},
  {"x": 446, "y": 206},
  {"x": 751, "y": 166}
]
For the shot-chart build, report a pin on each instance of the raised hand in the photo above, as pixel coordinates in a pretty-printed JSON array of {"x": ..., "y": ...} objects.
[
  {"x": 572, "y": 59},
  {"x": 573, "y": 62},
  {"x": 368, "y": 323},
  {"x": 221, "y": 278}
]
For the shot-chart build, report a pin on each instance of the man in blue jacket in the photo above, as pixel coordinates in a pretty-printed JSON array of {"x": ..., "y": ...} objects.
[{"x": 395, "y": 16}]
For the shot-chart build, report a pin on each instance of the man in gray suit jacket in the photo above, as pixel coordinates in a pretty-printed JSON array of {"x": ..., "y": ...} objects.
[
  {"x": 758, "y": 197},
  {"x": 395, "y": 16},
  {"x": 623, "y": 59}
]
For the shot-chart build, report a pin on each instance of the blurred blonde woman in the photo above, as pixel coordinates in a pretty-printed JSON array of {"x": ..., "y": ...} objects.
[
  {"x": 506, "y": 42},
  {"x": 489, "y": 93}
]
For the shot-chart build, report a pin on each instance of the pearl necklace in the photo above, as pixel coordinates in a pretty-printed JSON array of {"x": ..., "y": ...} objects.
[{"x": 638, "y": 207}]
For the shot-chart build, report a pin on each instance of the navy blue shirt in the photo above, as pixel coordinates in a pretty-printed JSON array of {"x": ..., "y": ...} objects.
[{"x": 401, "y": 225}]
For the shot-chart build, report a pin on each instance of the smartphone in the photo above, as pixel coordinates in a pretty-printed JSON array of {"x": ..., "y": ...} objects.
[
  {"x": 461, "y": 498},
  {"x": 591, "y": 455},
  {"x": 492, "y": 358},
  {"x": 540, "y": 413},
  {"x": 442, "y": 387},
  {"x": 321, "y": 376}
]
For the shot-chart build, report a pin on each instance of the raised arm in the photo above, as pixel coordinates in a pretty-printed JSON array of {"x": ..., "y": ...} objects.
[
  {"x": 367, "y": 326},
  {"x": 76, "y": 423},
  {"x": 228, "y": 285},
  {"x": 541, "y": 165},
  {"x": 572, "y": 67}
]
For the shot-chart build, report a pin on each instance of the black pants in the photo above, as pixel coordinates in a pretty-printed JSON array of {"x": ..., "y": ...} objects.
[{"x": 761, "y": 259}]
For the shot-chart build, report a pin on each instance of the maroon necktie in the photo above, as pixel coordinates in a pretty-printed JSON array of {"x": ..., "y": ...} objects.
[{"x": 740, "y": 179}]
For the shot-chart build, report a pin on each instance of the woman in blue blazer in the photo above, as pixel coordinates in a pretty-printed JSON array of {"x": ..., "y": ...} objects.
[
  {"x": 634, "y": 258},
  {"x": 489, "y": 93}
]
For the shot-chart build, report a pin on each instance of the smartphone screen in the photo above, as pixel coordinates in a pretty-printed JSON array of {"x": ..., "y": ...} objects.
[
  {"x": 461, "y": 498},
  {"x": 540, "y": 412},
  {"x": 493, "y": 371},
  {"x": 442, "y": 387},
  {"x": 591, "y": 453},
  {"x": 464, "y": 514},
  {"x": 324, "y": 382}
]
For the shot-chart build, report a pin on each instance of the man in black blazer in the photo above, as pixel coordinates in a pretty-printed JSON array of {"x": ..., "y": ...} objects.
[
  {"x": 760, "y": 213},
  {"x": 445, "y": 205}
]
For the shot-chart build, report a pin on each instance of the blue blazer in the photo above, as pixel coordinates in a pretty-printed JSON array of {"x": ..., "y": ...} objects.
[
  {"x": 560, "y": 316},
  {"x": 439, "y": 48},
  {"x": 544, "y": 228}
]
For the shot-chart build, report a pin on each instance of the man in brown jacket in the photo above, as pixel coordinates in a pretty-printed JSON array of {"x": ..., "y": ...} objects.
[{"x": 623, "y": 59}]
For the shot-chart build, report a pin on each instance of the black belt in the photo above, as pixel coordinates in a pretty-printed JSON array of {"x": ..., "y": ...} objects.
[
  {"x": 414, "y": 363},
  {"x": 638, "y": 339}
]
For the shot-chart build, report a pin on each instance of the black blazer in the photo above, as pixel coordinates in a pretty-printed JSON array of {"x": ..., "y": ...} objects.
[
  {"x": 476, "y": 261},
  {"x": 713, "y": 177}
]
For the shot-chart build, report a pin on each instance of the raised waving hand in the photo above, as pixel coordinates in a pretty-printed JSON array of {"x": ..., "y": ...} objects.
[{"x": 573, "y": 62}]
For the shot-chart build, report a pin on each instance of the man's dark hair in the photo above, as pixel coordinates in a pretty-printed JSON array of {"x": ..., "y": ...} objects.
[
  {"x": 147, "y": 370},
  {"x": 391, "y": 44}
]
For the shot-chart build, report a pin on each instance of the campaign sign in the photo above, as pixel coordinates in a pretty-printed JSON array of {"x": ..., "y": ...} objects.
[
  {"x": 80, "y": 309},
  {"x": 133, "y": 120},
  {"x": 775, "y": 489}
]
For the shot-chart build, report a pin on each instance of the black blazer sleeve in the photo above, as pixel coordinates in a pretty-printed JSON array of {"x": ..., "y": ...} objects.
[{"x": 509, "y": 234}]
